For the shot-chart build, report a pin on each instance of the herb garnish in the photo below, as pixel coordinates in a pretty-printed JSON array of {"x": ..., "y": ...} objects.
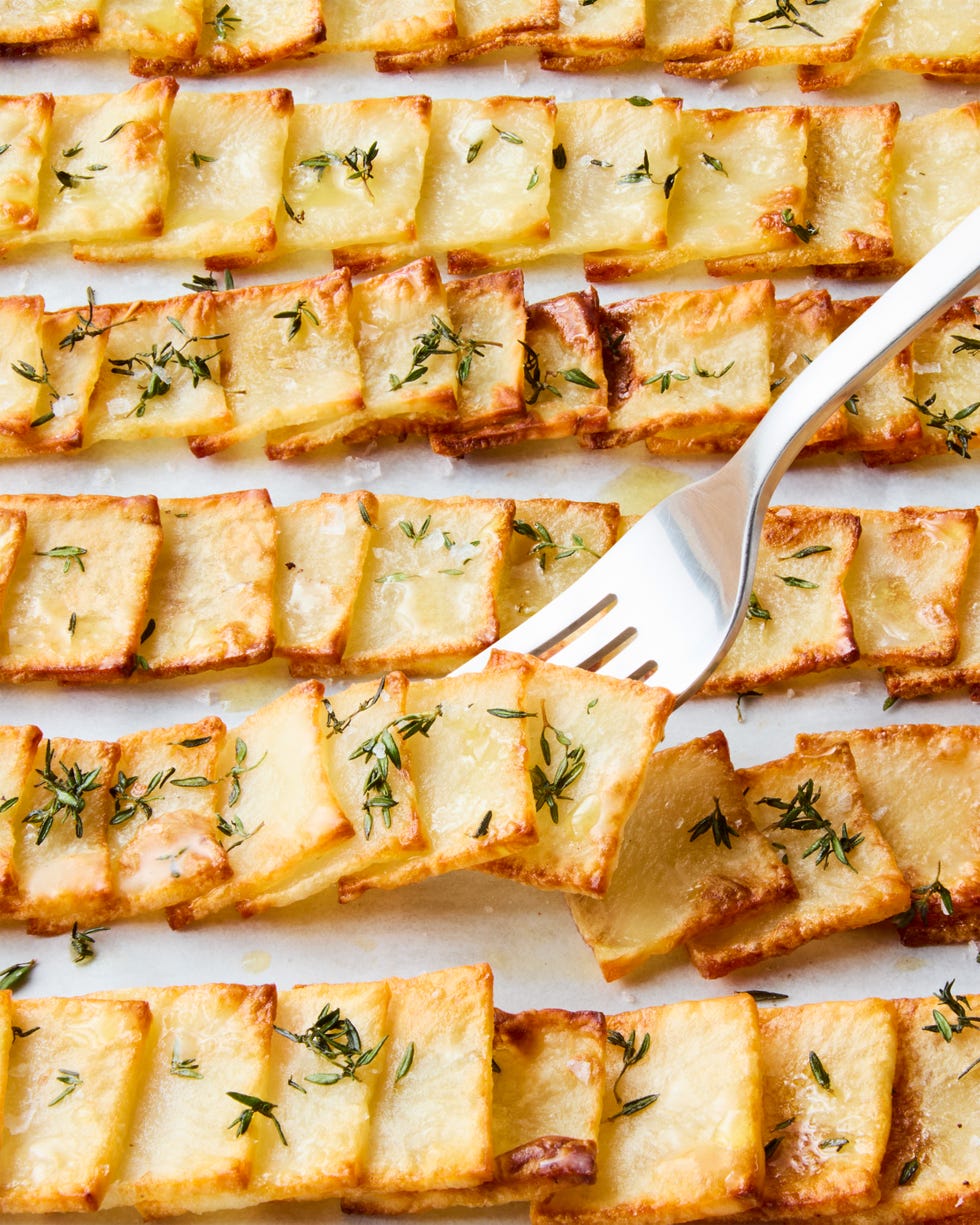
[
  {"x": 405, "y": 1063},
  {"x": 296, "y": 316},
  {"x": 909, "y": 1171},
  {"x": 804, "y": 232},
  {"x": 665, "y": 378},
  {"x": 254, "y": 1106},
  {"x": 130, "y": 804},
  {"x": 957, "y": 1004},
  {"x": 545, "y": 544},
  {"x": 67, "y": 795},
  {"x": 717, "y": 823},
  {"x": 773, "y": 1144},
  {"x": 334, "y": 1037},
  {"x": 190, "y": 1069},
  {"x": 559, "y": 157},
  {"x": 958, "y": 436},
  {"x": 358, "y": 162},
  {"x": 238, "y": 769},
  {"x": 766, "y": 997},
  {"x": 538, "y": 386},
  {"x": 818, "y": 1071},
  {"x": 15, "y": 975},
  {"x": 71, "y": 1081},
  {"x": 208, "y": 283},
  {"x": 430, "y": 344},
  {"x": 382, "y": 751},
  {"x": 632, "y": 1054},
  {"x": 788, "y": 15},
  {"x": 836, "y": 1143},
  {"x": 755, "y": 611},
  {"x": 42, "y": 379},
  {"x": 712, "y": 374},
  {"x": 510, "y": 137},
  {"x": 800, "y": 813},
  {"x": 920, "y": 902},
  {"x": 791, "y": 580},
  {"x": 548, "y": 791},
  {"x": 808, "y": 551},
  {"x": 484, "y": 827},
  {"x": 85, "y": 327},
  {"x": 83, "y": 943},
  {"x": 224, "y": 22},
  {"x": 642, "y": 174},
  {"x": 156, "y": 361},
  {"x": 968, "y": 344},
  {"x": 68, "y": 553},
  {"x": 335, "y": 726},
  {"x": 714, "y": 163}
]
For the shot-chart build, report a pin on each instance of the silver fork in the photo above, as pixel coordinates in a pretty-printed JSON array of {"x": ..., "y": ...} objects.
[{"x": 665, "y": 603}]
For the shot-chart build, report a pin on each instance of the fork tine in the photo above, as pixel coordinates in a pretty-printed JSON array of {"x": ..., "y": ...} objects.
[
  {"x": 590, "y": 649},
  {"x": 634, "y": 662}
]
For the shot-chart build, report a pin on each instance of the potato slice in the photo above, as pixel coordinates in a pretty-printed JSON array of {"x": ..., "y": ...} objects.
[
  {"x": 289, "y": 357},
  {"x": 672, "y": 30},
  {"x": 904, "y": 586},
  {"x": 926, "y": 816},
  {"x": 672, "y": 882},
  {"x": 275, "y": 804},
  {"x": 152, "y": 28},
  {"x": 480, "y": 26},
  {"x": 105, "y": 177},
  {"x": 210, "y": 601},
  {"x": 321, "y": 547},
  {"x": 544, "y": 556},
  {"x": 61, "y": 853},
  {"x": 184, "y": 1151},
  {"x": 71, "y": 1090},
  {"x": 66, "y": 616},
  {"x": 684, "y": 359},
  {"x": 327, "y": 1122},
  {"x": 826, "y": 1145},
  {"x": 387, "y": 830},
  {"x": 25, "y": 123},
  {"x": 549, "y": 1077},
  {"x": 222, "y": 203},
  {"x": 668, "y": 1148},
  {"x": 144, "y": 390},
  {"x": 589, "y": 740},
  {"x": 38, "y": 22},
  {"x": 427, "y": 595},
  {"x": 736, "y": 211},
  {"x": 468, "y": 816},
  {"x": 885, "y": 417},
  {"x": 391, "y": 25},
  {"x": 13, "y": 526},
  {"x": 258, "y": 34},
  {"x": 431, "y": 1121},
  {"x": 849, "y": 169},
  {"x": 590, "y": 30},
  {"x": 371, "y": 198},
  {"x": 832, "y": 896},
  {"x": 21, "y": 379},
  {"x": 164, "y": 846},
  {"x": 18, "y": 747},
  {"x": 793, "y": 628}
]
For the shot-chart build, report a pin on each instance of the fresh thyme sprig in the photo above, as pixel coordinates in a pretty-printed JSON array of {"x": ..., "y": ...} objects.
[
  {"x": 334, "y": 1038},
  {"x": 958, "y": 1021},
  {"x": 382, "y": 751},
  {"x": 208, "y": 283},
  {"x": 755, "y": 611},
  {"x": 787, "y": 15},
  {"x": 546, "y": 546},
  {"x": 224, "y": 22},
  {"x": 632, "y": 1054},
  {"x": 83, "y": 943},
  {"x": 85, "y": 328},
  {"x": 968, "y": 344},
  {"x": 538, "y": 384},
  {"x": 803, "y": 231},
  {"x": 71, "y": 1081},
  {"x": 642, "y": 174},
  {"x": 296, "y": 316},
  {"x": 16, "y": 975},
  {"x": 68, "y": 794},
  {"x": 239, "y": 769},
  {"x": 335, "y": 725},
  {"x": 800, "y": 813},
  {"x": 358, "y": 162},
  {"x": 156, "y": 362},
  {"x": 958, "y": 437},
  {"x": 665, "y": 378},
  {"x": 42, "y": 378},
  {"x": 129, "y": 802},
  {"x": 189, "y": 1069},
  {"x": 919, "y": 909},
  {"x": 254, "y": 1106},
  {"x": 715, "y": 823},
  {"x": 68, "y": 553},
  {"x": 548, "y": 791},
  {"x": 441, "y": 340}
]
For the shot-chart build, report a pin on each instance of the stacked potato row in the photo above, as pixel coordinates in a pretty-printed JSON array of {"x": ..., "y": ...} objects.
[
  {"x": 636, "y": 185},
  {"x": 409, "y": 1095},
  {"x": 97, "y": 588},
  {"x": 469, "y": 364},
  {"x": 718, "y": 38}
]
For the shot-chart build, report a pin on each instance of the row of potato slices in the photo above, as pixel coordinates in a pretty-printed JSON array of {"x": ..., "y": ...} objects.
[
  {"x": 638, "y": 186},
  {"x": 356, "y": 585},
  {"x": 666, "y": 1113},
  {"x": 689, "y": 372},
  {"x": 719, "y": 38}
]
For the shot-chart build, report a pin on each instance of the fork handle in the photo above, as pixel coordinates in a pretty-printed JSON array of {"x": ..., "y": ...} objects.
[{"x": 914, "y": 301}]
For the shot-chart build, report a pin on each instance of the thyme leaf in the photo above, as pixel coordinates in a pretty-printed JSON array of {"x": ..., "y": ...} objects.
[
  {"x": 71, "y": 1081},
  {"x": 224, "y": 22},
  {"x": 755, "y": 611},
  {"x": 804, "y": 232},
  {"x": 83, "y": 943},
  {"x": 359, "y": 164},
  {"x": 405, "y": 1063},
  {"x": 818, "y": 1071},
  {"x": 335, "y": 1038},
  {"x": 189, "y": 1069},
  {"x": 296, "y": 316},
  {"x": 548, "y": 791},
  {"x": 254, "y": 1106},
  {"x": 801, "y": 813},
  {"x": 717, "y": 824},
  {"x": 919, "y": 909},
  {"x": 69, "y": 553},
  {"x": 68, "y": 791},
  {"x": 546, "y": 546},
  {"x": 15, "y": 975}
]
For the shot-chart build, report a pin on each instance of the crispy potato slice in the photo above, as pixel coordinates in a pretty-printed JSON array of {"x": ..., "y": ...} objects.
[
  {"x": 211, "y": 597},
  {"x": 793, "y": 628},
  {"x": 258, "y": 34},
  {"x": 585, "y": 788},
  {"x": 275, "y": 804},
  {"x": 884, "y": 417},
  {"x": 289, "y": 357},
  {"x": 671, "y": 881},
  {"x": 832, "y": 897},
  {"x": 431, "y": 1121},
  {"x": 373, "y": 199},
  {"x": 321, "y": 547},
  {"x": 736, "y": 211},
  {"x": 472, "y": 202},
  {"x": 849, "y": 169},
  {"x": 25, "y": 123},
  {"x": 825, "y": 1146},
  {"x": 388, "y": 830},
  {"x": 18, "y": 747},
  {"x": 157, "y": 29},
  {"x": 904, "y": 586},
  {"x": 392, "y": 25},
  {"x": 326, "y": 1122},
  {"x": 762, "y": 36},
  {"x": 21, "y": 379},
  {"x": 184, "y": 1152},
  {"x": 686, "y": 1153},
  {"x": 66, "y": 616},
  {"x": 549, "y": 1075},
  {"x": 590, "y": 30},
  {"x": 802, "y": 327},
  {"x": 564, "y": 386},
  {"x": 37, "y": 22},
  {"x": 164, "y": 846},
  {"x": 427, "y": 595},
  {"x": 683, "y": 359},
  {"x": 6, "y": 1041},
  {"x": 61, "y": 854},
  {"x": 480, "y": 26},
  {"x": 105, "y": 177},
  {"x": 468, "y": 817},
  {"x": 71, "y": 1090},
  {"x": 932, "y": 1111},
  {"x": 141, "y": 358},
  {"x": 552, "y": 543},
  {"x": 222, "y": 210},
  {"x": 13, "y": 526},
  {"x": 926, "y": 816},
  {"x": 671, "y": 30}
]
